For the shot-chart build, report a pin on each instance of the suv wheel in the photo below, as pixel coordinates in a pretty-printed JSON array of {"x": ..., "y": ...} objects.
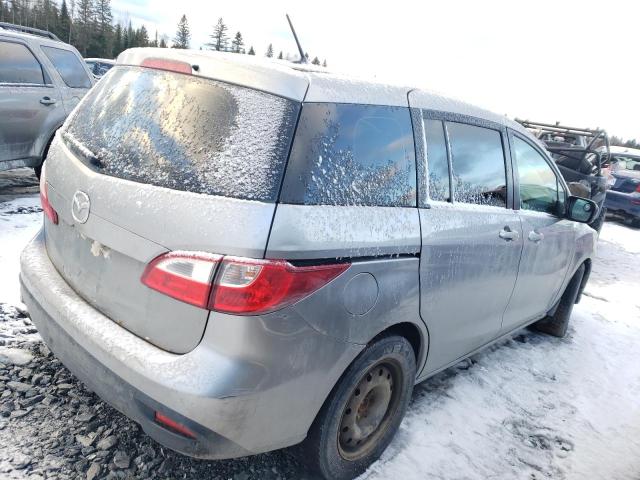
[{"x": 363, "y": 412}]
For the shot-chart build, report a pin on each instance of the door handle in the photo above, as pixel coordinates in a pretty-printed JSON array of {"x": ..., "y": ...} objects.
[
  {"x": 535, "y": 236},
  {"x": 507, "y": 234},
  {"x": 47, "y": 101}
]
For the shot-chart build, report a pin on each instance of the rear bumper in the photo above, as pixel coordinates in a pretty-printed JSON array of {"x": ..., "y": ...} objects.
[{"x": 239, "y": 390}]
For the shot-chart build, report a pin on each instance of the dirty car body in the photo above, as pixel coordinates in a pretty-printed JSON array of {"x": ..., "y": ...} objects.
[{"x": 172, "y": 190}]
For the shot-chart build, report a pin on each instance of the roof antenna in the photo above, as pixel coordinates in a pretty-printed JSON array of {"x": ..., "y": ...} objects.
[{"x": 303, "y": 57}]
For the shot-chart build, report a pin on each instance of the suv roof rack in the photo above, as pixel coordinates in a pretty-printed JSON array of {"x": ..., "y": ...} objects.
[
  {"x": 31, "y": 30},
  {"x": 573, "y": 151}
]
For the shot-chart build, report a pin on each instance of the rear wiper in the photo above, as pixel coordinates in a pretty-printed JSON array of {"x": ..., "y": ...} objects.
[{"x": 81, "y": 150}]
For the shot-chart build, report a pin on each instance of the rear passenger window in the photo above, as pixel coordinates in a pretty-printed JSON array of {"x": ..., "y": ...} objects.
[
  {"x": 68, "y": 66},
  {"x": 18, "y": 65},
  {"x": 539, "y": 187},
  {"x": 347, "y": 154},
  {"x": 437, "y": 163},
  {"x": 479, "y": 175}
]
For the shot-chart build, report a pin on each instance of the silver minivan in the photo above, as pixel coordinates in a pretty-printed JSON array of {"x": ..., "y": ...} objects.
[
  {"x": 244, "y": 256},
  {"x": 41, "y": 81}
]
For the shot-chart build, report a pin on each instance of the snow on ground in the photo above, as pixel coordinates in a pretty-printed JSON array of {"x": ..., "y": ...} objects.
[
  {"x": 20, "y": 219},
  {"x": 532, "y": 407}
]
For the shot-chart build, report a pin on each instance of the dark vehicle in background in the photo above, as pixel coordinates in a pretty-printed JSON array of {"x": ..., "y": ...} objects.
[
  {"x": 581, "y": 155},
  {"x": 623, "y": 200},
  {"x": 99, "y": 66},
  {"x": 41, "y": 80}
]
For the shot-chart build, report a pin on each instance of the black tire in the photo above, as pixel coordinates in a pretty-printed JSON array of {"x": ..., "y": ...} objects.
[
  {"x": 558, "y": 323},
  {"x": 599, "y": 221},
  {"x": 327, "y": 451}
]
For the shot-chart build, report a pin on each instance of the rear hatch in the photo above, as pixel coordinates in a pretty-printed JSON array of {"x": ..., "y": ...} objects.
[{"x": 167, "y": 161}]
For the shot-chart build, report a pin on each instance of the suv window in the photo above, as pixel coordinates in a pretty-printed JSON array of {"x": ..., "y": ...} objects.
[
  {"x": 540, "y": 189},
  {"x": 18, "y": 65},
  {"x": 437, "y": 162},
  {"x": 345, "y": 154},
  {"x": 183, "y": 132},
  {"x": 477, "y": 157},
  {"x": 68, "y": 66}
]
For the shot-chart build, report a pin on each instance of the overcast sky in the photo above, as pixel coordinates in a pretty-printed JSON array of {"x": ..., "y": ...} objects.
[{"x": 569, "y": 61}]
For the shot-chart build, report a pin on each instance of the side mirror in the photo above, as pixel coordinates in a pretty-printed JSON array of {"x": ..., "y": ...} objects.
[{"x": 581, "y": 210}]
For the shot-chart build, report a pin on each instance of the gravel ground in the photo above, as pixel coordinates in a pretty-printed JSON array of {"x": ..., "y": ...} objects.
[{"x": 52, "y": 427}]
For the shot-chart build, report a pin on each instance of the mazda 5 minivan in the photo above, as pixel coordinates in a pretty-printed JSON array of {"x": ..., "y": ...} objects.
[{"x": 244, "y": 256}]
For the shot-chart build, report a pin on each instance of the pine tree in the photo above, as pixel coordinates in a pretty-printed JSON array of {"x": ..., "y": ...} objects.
[
  {"x": 143, "y": 37},
  {"x": 324, "y": 63},
  {"x": 316, "y": 61},
  {"x": 252, "y": 51},
  {"x": 269, "y": 51},
  {"x": 183, "y": 36},
  {"x": 103, "y": 34},
  {"x": 84, "y": 26},
  {"x": 117, "y": 40},
  {"x": 280, "y": 57},
  {"x": 237, "y": 43},
  {"x": 64, "y": 23},
  {"x": 219, "y": 37},
  {"x": 154, "y": 42},
  {"x": 163, "y": 42}
]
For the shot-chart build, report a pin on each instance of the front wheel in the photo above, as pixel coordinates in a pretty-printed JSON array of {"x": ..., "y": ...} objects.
[
  {"x": 558, "y": 323},
  {"x": 363, "y": 412}
]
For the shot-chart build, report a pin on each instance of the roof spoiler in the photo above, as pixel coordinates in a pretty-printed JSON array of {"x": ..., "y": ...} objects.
[{"x": 31, "y": 30}]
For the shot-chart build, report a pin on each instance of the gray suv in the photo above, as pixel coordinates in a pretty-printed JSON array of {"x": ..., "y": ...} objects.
[
  {"x": 41, "y": 81},
  {"x": 243, "y": 256}
]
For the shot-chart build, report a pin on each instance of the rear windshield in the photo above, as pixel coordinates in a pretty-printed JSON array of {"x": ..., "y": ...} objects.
[
  {"x": 185, "y": 133},
  {"x": 346, "y": 154}
]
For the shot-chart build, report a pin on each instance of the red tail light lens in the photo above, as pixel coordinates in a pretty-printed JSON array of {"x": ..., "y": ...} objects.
[
  {"x": 44, "y": 199},
  {"x": 638, "y": 188},
  {"x": 184, "y": 276},
  {"x": 254, "y": 287},
  {"x": 169, "y": 65}
]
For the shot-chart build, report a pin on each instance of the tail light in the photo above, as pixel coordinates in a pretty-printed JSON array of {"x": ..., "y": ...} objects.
[
  {"x": 44, "y": 199},
  {"x": 261, "y": 286},
  {"x": 169, "y": 65},
  {"x": 182, "y": 275},
  {"x": 241, "y": 286},
  {"x": 638, "y": 188}
]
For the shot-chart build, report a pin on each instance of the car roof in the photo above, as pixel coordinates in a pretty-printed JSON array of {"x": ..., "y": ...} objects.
[
  {"x": 309, "y": 83},
  {"x": 32, "y": 38}
]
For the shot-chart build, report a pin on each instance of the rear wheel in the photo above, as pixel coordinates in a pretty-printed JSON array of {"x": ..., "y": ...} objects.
[
  {"x": 363, "y": 412},
  {"x": 558, "y": 323}
]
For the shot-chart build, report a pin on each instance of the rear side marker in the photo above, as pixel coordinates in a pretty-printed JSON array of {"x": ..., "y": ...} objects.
[{"x": 236, "y": 285}]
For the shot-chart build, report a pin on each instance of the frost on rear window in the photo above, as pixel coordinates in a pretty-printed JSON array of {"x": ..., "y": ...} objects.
[
  {"x": 346, "y": 154},
  {"x": 185, "y": 133}
]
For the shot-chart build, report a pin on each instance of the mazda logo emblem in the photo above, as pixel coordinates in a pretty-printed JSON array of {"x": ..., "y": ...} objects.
[{"x": 80, "y": 207}]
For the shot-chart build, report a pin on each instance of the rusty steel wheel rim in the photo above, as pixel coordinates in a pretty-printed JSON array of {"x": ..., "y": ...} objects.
[{"x": 369, "y": 410}]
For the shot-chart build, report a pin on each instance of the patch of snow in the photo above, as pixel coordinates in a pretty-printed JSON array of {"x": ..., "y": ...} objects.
[{"x": 20, "y": 219}]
